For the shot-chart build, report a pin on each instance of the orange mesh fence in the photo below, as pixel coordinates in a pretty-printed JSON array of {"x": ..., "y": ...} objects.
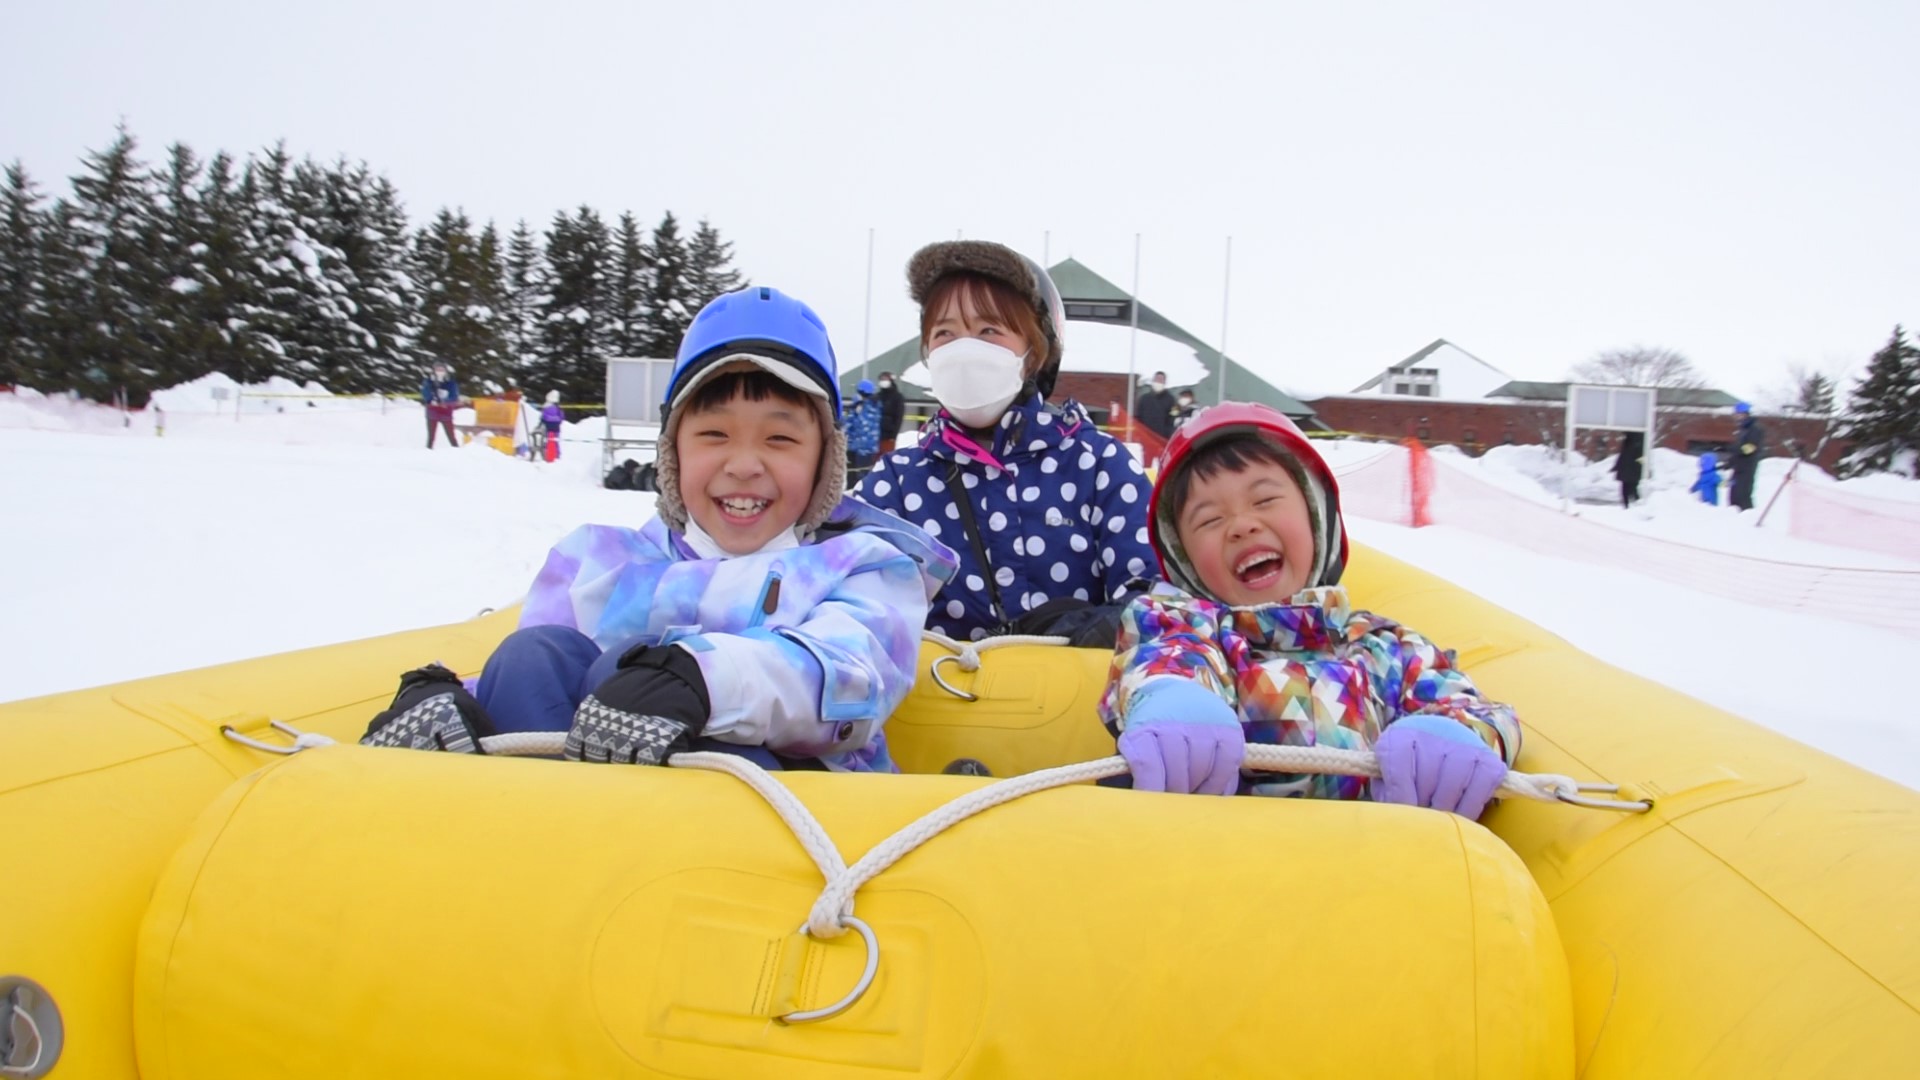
[
  {"x": 1829, "y": 515},
  {"x": 1379, "y": 489}
]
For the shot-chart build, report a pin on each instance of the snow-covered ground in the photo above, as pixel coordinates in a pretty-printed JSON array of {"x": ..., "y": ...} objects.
[{"x": 307, "y": 521}]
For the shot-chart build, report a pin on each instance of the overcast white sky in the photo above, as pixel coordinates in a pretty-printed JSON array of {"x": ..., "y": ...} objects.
[{"x": 1736, "y": 180}]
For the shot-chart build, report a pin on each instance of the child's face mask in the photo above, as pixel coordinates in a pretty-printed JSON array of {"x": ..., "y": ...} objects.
[
  {"x": 747, "y": 469},
  {"x": 975, "y": 380},
  {"x": 1249, "y": 534}
]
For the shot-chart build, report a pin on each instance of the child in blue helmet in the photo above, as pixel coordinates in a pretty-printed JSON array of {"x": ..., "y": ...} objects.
[
  {"x": 1707, "y": 485},
  {"x": 1251, "y": 639},
  {"x": 760, "y": 612}
]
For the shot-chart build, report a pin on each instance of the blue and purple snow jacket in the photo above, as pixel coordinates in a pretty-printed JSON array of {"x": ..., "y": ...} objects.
[
  {"x": 550, "y": 417},
  {"x": 1061, "y": 508},
  {"x": 805, "y": 650}
]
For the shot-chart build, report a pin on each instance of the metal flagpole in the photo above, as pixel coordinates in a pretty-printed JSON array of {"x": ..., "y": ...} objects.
[
  {"x": 1046, "y": 249},
  {"x": 866, "y": 333},
  {"x": 1226, "y": 294},
  {"x": 1133, "y": 339}
]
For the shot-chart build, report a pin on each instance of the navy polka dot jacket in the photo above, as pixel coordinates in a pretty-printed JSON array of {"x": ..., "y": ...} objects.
[{"x": 1061, "y": 509}]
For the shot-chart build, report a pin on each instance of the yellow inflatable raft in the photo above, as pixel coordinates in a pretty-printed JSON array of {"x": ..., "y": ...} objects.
[{"x": 178, "y": 905}]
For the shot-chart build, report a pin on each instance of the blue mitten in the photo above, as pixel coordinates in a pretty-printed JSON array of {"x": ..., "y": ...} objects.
[
  {"x": 1182, "y": 738},
  {"x": 1434, "y": 761}
]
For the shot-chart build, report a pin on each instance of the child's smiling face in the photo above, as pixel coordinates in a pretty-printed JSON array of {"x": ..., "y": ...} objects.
[
  {"x": 747, "y": 468},
  {"x": 1248, "y": 534}
]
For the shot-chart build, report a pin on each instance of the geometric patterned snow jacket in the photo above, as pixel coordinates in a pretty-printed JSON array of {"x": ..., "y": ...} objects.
[
  {"x": 1307, "y": 672},
  {"x": 1061, "y": 507},
  {"x": 805, "y": 650}
]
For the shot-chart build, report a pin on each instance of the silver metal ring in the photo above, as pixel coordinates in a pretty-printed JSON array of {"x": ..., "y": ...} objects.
[
  {"x": 245, "y": 740},
  {"x": 20, "y": 1000},
  {"x": 935, "y": 672},
  {"x": 808, "y": 1016},
  {"x": 1635, "y": 806}
]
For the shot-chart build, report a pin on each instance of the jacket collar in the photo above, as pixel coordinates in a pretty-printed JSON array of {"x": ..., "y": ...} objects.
[{"x": 1028, "y": 428}]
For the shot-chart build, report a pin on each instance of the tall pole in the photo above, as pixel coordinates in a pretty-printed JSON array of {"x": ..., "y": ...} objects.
[
  {"x": 866, "y": 332},
  {"x": 1046, "y": 249},
  {"x": 1133, "y": 338},
  {"x": 1226, "y": 294}
]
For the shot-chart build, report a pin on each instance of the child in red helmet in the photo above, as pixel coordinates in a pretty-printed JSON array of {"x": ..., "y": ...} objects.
[{"x": 1251, "y": 638}]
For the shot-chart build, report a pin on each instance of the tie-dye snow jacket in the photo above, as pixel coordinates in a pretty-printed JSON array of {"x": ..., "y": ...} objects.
[
  {"x": 1308, "y": 672},
  {"x": 805, "y": 650}
]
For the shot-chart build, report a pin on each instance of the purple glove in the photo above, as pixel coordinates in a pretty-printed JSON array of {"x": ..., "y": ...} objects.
[
  {"x": 1434, "y": 761},
  {"x": 1182, "y": 738}
]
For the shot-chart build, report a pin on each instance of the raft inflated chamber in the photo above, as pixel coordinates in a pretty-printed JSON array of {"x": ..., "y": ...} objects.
[{"x": 184, "y": 907}]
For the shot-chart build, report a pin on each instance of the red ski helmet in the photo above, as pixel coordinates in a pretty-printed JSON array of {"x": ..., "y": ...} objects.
[{"x": 1247, "y": 420}]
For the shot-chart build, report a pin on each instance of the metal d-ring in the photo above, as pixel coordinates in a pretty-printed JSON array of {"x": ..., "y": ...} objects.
[
  {"x": 24, "y": 1004},
  {"x": 807, "y": 1016},
  {"x": 944, "y": 685},
  {"x": 232, "y": 733},
  {"x": 1635, "y": 806}
]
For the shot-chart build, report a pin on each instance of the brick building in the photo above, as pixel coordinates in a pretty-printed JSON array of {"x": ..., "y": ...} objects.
[{"x": 1526, "y": 414}]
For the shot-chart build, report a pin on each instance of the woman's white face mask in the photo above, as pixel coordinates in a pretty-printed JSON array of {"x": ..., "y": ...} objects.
[{"x": 975, "y": 380}]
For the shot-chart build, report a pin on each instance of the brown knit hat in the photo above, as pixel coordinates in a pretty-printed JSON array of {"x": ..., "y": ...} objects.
[
  {"x": 830, "y": 476},
  {"x": 1003, "y": 264}
]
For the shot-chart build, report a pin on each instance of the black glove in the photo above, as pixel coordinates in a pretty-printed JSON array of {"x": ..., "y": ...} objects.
[
  {"x": 432, "y": 711},
  {"x": 655, "y": 705}
]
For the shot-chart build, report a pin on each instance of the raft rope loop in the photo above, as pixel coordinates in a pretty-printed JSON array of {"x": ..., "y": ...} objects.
[{"x": 967, "y": 653}]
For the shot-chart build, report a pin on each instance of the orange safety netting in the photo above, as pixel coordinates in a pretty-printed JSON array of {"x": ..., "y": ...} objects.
[
  {"x": 1828, "y": 515},
  {"x": 1381, "y": 489}
]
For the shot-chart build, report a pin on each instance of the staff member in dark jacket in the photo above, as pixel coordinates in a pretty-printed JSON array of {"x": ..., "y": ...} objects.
[
  {"x": 1749, "y": 442},
  {"x": 893, "y": 412},
  {"x": 1153, "y": 409},
  {"x": 1628, "y": 466}
]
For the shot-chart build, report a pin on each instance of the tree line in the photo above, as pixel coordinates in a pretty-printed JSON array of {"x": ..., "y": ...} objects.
[{"x": 151, "y": 276}]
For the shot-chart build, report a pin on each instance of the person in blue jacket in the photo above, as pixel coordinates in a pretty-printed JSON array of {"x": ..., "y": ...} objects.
[
  {"x": 1707, "y": 485},
  {"x": 1047, "y": 513},
  {"x": 440, "y": 393},
  {"x": 863, "y": 432}
]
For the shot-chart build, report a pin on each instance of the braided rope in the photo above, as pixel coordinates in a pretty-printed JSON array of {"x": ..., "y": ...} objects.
[{"x": 968, "y": 652}]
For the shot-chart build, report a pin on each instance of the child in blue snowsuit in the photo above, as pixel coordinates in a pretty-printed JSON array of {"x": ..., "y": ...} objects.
[
  {"x": 760, "y": 612},
  {"x": 1707, "y": 486},
  {"x": 863, "y": 432}
]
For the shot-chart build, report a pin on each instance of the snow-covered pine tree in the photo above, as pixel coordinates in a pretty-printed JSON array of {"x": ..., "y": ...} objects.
[
  {"x": 672, "y": 305},
  {"x": 188, "y": 334},
  {"x": 23, "y": 284},
  {"x": 337, "y": 348},
  {"x": 387, "y": 295},
  {"x": 575, "y": 327},
  {"x": 1814, "y": 395},
  {"x": 526, "y": 273},
  {"x": 456, "y": 316},
  {"x": 1883, "y": 414},
  {"x": 710, "y": 268},
  {"x": 490, "y": 294},
  {"x": 632, "y": 288},
  {"x": 119, "y": 276},
  {"x": 232, "y": 298},
  {"x": 301, "y": 312}
]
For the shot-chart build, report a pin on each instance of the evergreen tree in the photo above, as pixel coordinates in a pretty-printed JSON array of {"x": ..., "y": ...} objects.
[
  {"x": 186, "y": 331},
  {"x": 388, "y": 297},
  {"x": 672, "y": 305},
  {"x": 1814, "y": 395},
  {"x": 709, "y": 265},
  {"x": 521, "y": 300},
  {"x": 575, "y": 325},
  {"x": 23, "y": 299},
  {"x": 231, "y": 300},
  {"x": 632, "y": 288},
  {"x": 62, "y": 341},
  {"x": 457, "y": 320},
  {"x": 111, "y": 226},
  {"x": 1883, "y": 416},
  {"x": 300, "y": 312}
]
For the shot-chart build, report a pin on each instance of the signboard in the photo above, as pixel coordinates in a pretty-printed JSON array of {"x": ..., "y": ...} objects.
[{"x": 635, "y": 386}]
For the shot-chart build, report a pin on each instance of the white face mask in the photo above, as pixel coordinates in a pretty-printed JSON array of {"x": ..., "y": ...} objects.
[{"x": 976, "y": 380}]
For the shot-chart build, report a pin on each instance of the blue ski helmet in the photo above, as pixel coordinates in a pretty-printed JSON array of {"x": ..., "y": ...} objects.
[
  {"x": 763, "y": 323},
  {"x": 866, "y": 386}
]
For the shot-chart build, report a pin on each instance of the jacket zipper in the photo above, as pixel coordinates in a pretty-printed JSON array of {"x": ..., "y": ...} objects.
[{"x": 769, "y": 599}]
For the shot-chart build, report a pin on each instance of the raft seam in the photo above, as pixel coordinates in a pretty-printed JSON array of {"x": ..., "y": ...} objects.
[
  {"x": 1473, "y": 902},
  {"x": 1795, "y": 916},
  {"x": 173, "y": 940}
]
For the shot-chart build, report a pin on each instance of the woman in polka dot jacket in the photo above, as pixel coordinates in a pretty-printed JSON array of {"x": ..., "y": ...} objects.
[{"x": 1047, "y": 513}]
